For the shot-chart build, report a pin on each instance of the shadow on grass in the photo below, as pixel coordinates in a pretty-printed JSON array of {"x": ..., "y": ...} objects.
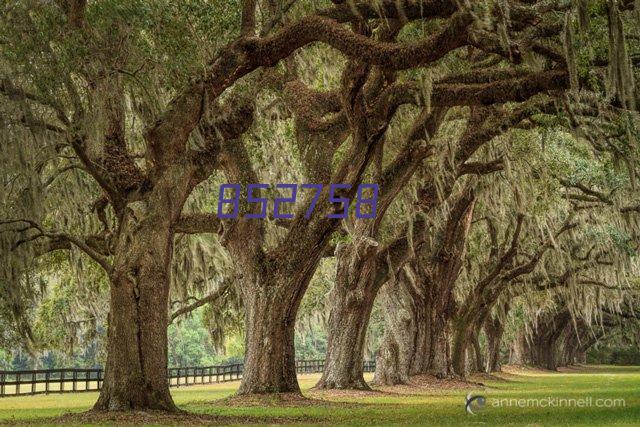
[
  {"x": 160, "y": 418},
  {"x": 311, "y": 398}
]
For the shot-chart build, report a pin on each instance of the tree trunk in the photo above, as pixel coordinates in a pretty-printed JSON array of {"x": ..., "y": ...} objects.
[
  {"x": 494, "y": 329},
  {"x": 544, "y": 342},
  {"x": 432, "y": 353},
  {"x": 270, "y": 314},
  {"x": 477, "y": 351},
  {"x": 581, "y": 358},
  {"x": 351, "y": 301},
  {"x": 548, "y": 357},
  {"x": 462, "y": 337},
  {"x": 520, "y": 350},
  {"x": 543, "y": 353},
  {"x": 420, "y": 346},
  {"x": 136, "y": 368},
  {"x": 393, "y": 360},
  {"x": 418, "y": 327},
  {"x": 344, "y": 362}
]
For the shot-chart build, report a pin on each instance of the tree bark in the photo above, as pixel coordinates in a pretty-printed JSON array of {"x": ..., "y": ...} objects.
[
  {"x": 136, "y": 367},
  {"x": 437, "y": 283},
  {"x": 351, "y": 302},
  {"x": 416, "y": 344},
  {"x": 477, "y": 351},
  {"x": 544, "y": 342},
  {"x": 137, "y": 354},
  {"x": 461, "y": 340},
  {"x": 432, "y": 351},
  {"x": 494, "y": 329},
  {"x": 393, "y": 360},
  {"x": 520, "y": 350},
  {"x": 269, "y": 365}
]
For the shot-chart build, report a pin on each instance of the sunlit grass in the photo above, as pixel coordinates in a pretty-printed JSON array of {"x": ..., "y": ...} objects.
[{"x": 445, "y": 407}]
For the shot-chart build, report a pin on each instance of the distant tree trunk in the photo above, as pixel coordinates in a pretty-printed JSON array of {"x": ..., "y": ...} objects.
[
  {"x": 363, "y": 268},
  {"x": 433, "y": 309},
  {"x": 432, "y": 353},
  {"x": 136, "y": 367},
  {"x": 416, "y": 339},
  {"x": 520, "y": 350},
  {"x": 393, "y": 360},
  {"x": 544, "y": 342},
  {"x": 465, "y": 339},
  {"x": 581, "y": 358},
  {"x": 438, "y": 283},
  {"x": 494, "y": 329},
  {"x": 477, "y": 351},
  {"x": 568, "y": 346},
  {"x": 547, "y": 357},
  {"x": 462, "y": 338}
]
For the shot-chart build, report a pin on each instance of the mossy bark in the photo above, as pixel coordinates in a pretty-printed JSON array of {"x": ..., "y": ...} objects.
[
  {"x": 136, "y": 368},
  {"x": 351, "y": 301}
]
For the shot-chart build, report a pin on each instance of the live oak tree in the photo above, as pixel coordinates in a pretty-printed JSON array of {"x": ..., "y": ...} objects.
[
  {"x": 85, "y": 88},
  {"x": 395, "y": 353},
  {"x": 119, "y": 115},
  {"x": 579, "y": 257},
  {"x": 433, "y": 277},
  {"x": 275, "y": 279},
  {"x": 364, "y": 265},
  {"x": 564, "y": 330},
  {"x": 93, "y": 83}
]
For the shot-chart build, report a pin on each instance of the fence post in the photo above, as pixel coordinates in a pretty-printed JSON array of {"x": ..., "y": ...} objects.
[
  {"x": 18, "y": 383},
  {"x": 33, "y": 382},
  {"x": 2, "y": 381},
  {"x": 61, "y": 380},
  {"x": 46, "y": 382}
]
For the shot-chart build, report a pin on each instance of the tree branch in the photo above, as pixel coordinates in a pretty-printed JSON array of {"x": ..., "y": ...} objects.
[
  {"x": 196, "y": 223},
  {"x": 222, "y": 290}
]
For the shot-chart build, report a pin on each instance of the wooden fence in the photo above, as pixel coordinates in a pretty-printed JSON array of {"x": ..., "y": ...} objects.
[{"x": 16, "y": 383}]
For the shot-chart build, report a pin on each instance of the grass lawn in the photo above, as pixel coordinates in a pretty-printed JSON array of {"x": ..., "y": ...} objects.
[{"x": 402, "y": 405}]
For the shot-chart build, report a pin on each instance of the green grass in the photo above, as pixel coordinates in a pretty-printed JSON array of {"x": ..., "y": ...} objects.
[{"x": 441, "y": 407}]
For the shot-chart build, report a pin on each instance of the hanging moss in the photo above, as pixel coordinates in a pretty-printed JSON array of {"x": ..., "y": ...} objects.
[
  {"x": 569, "y": 51},
  {"x": 621, "y": 81}
]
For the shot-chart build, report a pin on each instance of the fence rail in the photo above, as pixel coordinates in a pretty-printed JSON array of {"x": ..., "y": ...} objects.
[{"x": 45, "y": 381}]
